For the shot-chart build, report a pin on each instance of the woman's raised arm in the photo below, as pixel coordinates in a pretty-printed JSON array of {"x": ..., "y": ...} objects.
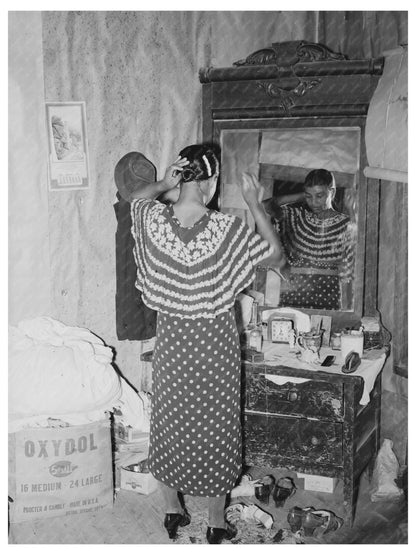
[
  {"x": 170, "y": 181},
  {"x": 253, "y": 193}
]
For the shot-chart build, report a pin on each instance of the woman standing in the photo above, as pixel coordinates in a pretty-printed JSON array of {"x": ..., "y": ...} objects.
[
  {"x": 191, "y": 264},
  {"x": 318, "y": 244}
]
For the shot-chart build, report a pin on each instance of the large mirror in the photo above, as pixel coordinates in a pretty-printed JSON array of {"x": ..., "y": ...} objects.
[
  {"x": 321, "y": 245},
  {"x": 282, "y": 112}
]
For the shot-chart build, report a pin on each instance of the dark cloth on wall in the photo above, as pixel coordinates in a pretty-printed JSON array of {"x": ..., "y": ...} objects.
[{"x": 134, "y": 320}]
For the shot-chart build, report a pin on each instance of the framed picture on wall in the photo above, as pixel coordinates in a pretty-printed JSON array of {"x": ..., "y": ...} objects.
[{"x": 67, "y": 146}]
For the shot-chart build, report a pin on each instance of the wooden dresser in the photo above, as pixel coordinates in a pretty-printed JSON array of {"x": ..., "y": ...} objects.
[{"x": 314, "y": 427}]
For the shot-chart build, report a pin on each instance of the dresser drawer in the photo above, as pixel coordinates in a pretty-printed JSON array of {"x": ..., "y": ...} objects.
[
  {"x": 283, "y": 441},
  {"x": 312, "y": 398}
]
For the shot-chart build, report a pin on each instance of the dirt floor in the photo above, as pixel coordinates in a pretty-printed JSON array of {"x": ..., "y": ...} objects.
[{"x": 137, "y": 519}]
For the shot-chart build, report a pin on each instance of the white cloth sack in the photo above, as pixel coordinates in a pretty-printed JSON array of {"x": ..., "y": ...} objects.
[{"x": 63, "y": 372}]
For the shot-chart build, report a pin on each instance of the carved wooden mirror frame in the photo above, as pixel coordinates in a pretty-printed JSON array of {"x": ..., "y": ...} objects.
[{"x": 298, "y": 85}]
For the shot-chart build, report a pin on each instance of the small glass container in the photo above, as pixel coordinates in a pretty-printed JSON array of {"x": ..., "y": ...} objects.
[
  {"x": 336, "y": 341},
  {"x": 255, "y": 339},
  {"x": 264, "y": 330}
]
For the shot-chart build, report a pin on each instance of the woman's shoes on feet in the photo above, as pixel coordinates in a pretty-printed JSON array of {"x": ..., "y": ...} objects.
[
  {"x": 216, "y": 535},
  {"x": 174, "y": 520}
]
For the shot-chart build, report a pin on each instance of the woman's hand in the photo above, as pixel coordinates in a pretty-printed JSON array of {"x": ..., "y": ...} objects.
[
  {"x": 252, "y": 190},
  {"x": 173, "y": 173},
  {"x": 253, "y": 193},
  {"x": 169, "y": 182}
]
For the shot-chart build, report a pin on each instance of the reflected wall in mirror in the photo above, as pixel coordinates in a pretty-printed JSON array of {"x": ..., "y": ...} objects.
[{"x": 317, "y": 224}]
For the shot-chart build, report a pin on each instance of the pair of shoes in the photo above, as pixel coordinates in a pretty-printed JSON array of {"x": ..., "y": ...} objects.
[
  {"x": 217, "y": 535},
  {"x": 174, "y": 520},
  {"x": 284, "y": 489},
  {"x": 318, "y": 523},
  {"x": 314, "y": 523},
  {"x": 296, "y": 517}
]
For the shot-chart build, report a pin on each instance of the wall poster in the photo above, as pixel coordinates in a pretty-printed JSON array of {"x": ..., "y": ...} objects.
[{"x": 67, "y": 146}]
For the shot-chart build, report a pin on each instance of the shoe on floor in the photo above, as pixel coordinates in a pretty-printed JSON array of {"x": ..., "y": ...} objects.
[
  {"x": 285, "y": 488},
  {"x": 174, "y": 520},
  {"x": 216, "y": 535},
  {"x": 296, "y": 517},
  {"x": 317, "y": 523}
]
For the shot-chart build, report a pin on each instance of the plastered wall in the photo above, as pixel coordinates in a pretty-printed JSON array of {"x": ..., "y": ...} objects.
[
  {"x": 29, "y": 258},
  {"x": 138, "y": 75}
]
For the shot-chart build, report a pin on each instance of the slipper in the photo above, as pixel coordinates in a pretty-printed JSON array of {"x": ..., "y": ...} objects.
[
  {"x": 284, "y": 489},
  {"x": 252, "y": 513},
  {"x": 248, "y": 513}
]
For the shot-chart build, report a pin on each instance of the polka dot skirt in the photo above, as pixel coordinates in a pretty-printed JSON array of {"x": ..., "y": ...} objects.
[
  {"x": 195, "y": 434},
  {"x": 311, "y": 291}
]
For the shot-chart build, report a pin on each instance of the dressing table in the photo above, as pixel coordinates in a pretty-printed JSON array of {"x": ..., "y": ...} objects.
[
  {"x": 313, "y": 420},
  {"x": 285, "y": 109}
]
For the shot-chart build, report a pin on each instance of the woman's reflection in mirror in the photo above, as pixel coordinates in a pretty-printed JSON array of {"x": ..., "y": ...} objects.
[{"x": 318, "y": 244}]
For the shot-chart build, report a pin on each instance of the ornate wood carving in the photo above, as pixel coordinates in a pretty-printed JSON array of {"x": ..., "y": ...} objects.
[
  {"x": 290, "y": 53},
  {"x": 287, "y": 96}
]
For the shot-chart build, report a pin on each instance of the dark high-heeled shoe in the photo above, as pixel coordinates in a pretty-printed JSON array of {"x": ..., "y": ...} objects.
[
  {"x": 174, "y": 520},
  {"x": 285, "y": 488},
  {"x": 216, "y": 535},
  {"x": 296, "y": 517},
  {"x": 317, "y": 523},
  {"x": 264, "y": 488}
]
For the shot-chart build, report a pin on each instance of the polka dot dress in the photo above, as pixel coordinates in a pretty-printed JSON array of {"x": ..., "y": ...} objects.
[
  {"x": 311, "y": 291},
  {"x": 195, "y": 435}
]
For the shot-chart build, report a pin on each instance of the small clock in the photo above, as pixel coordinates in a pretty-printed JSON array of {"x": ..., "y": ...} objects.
[{"x": 280, "y": 329}]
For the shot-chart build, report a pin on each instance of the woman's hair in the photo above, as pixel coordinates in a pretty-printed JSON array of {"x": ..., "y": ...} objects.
[
  {"x": 320, "y": 177},
  {"x": 203, "y": 162}
]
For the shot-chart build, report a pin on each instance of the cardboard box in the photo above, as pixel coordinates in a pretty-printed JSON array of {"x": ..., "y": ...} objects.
[
  {"x": 313, "y": 482},
  {"x": 139, "y": 482},
  {"x": 55, "y": 472},
  {"x": 123, "y": 432}
]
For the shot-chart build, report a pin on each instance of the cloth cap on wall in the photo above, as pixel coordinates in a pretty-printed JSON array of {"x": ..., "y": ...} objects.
[{"x": 132, "y": 172}]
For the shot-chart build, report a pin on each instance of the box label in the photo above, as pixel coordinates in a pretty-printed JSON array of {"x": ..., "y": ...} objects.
[{"x": 61, "y": 471}]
